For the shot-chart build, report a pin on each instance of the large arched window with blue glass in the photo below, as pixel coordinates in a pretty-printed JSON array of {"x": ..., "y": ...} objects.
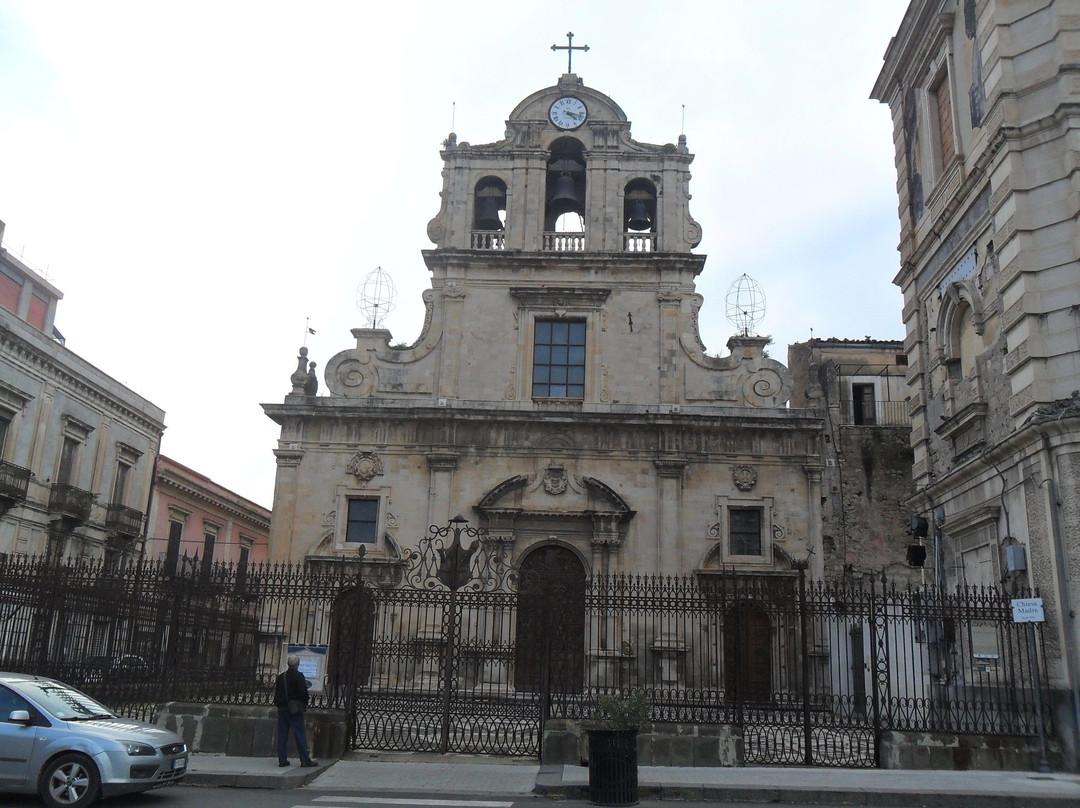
[{"x": 559, "y": 359}]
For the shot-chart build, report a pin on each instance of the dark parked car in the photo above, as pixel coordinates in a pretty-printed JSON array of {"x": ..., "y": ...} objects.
[
  {"x": 121, "y": 668},
  {"x": 70, "y": 749}
]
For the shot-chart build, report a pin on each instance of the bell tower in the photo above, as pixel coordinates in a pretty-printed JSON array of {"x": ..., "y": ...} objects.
[{"x": 568, "y": 177}]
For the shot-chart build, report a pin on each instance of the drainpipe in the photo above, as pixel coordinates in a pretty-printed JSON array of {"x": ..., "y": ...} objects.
[{"x": 1062, "y": 586}]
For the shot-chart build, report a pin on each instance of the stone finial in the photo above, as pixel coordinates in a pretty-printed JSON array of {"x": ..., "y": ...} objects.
[
  {"x": 299, "y": 378},
  {"x": 311, "y": 384}
]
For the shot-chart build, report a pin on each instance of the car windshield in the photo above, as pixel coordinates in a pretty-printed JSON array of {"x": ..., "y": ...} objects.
[{"x": 63, "y": 702}]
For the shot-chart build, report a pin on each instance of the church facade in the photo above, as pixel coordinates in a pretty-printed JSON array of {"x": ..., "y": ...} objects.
[{"x": 559, "y": 395}]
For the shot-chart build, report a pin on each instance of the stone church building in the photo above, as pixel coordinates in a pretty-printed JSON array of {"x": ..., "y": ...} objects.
[{"x": 559, "y": 394}]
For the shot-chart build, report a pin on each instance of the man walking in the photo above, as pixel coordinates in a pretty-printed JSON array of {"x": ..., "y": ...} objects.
[{"x": 291, "y": 699}]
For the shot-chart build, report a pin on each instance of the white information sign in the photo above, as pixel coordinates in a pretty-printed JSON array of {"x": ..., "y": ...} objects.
[
  {"x": 312, "y": 664},
  {"x": 1028, "y": 610}
]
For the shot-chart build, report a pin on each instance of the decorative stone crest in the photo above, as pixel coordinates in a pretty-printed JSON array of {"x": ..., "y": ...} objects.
[
  {"x": 365, "y": 466},
  {"x": 744, "y": 476},
  {"x": 555, "y": 480}
]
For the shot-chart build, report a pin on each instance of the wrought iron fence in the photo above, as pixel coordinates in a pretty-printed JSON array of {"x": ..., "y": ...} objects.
[{"x": 460, "y": 651}]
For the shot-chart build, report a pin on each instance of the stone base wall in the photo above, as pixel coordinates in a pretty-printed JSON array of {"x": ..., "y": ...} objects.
[
  {"x": 245, "y": 731},
  {"x": 567, "y": 743},
  {"x": 943, "y": 750}
]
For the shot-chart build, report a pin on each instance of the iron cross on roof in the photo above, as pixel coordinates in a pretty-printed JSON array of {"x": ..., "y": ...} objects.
[{"x": 569, "y": 47}]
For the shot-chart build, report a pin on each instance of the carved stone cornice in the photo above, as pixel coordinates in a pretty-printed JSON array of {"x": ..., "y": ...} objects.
[
  {"x": 442, "y": 461},
  {"x": 556, "y": 297},
  {"x": 25, "y": 353}
]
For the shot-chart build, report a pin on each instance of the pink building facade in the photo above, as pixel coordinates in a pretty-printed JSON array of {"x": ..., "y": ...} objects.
[{"x": 192, "y": 517}]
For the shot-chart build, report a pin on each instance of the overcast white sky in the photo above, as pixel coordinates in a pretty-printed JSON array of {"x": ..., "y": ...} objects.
[{"x": 200, "y": 177}]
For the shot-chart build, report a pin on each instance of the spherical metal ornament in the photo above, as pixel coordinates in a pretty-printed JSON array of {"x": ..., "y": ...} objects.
[
  {"x": 375, "y": 297},
  {"x": 745, "y": 304}
]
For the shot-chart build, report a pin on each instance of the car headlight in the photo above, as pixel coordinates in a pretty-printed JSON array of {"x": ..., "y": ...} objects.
[{"x": 136, "y": 749}]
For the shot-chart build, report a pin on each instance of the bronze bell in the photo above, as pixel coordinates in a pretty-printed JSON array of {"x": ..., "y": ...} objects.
[
  {"x": 487, "y": 214},
  {"x": 639, "y": 218},
  {"x": 564, "y": 197}
]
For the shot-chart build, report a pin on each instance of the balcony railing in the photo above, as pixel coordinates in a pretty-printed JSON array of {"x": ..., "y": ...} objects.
[
  {"x": 123, "y": 520},
  {"x": 488, "y": 240},
  {"x": 70, "y": 502},
  {"x": 639, "y": 242},
  {"x": 14, "y": 482},
  {"x": 564, "y": 242},
  {"x": 874, "y": 413}
]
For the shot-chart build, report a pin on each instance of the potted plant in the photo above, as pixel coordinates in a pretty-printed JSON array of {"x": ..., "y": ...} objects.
[{"x": 613, "y": 748}]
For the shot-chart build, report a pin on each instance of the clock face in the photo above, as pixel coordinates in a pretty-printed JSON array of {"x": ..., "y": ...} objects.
[{"x": 568, "y": 112}]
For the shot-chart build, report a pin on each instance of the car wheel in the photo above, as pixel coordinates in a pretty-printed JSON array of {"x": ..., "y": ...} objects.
[{"x": 70, "y": 781}]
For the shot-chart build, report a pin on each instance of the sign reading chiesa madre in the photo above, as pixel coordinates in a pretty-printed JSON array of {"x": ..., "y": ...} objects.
[{"x": 1028, "y": 610}]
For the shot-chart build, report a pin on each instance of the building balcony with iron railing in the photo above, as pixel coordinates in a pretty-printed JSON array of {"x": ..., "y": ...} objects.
[
  {"x": 563, "y": 242},
  {"x": 14, "y": 483},
  {"x": 70, "y": 504},
  {"x": 123, "y": 521},
  {"x": 874, "y": 413}
]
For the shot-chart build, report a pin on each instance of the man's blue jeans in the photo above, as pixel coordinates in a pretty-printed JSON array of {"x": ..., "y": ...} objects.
[{"x": 286, "y": 722}]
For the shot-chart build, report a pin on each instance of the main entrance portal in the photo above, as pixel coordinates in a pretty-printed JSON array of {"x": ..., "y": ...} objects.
[{"x": 549, "y": 652}]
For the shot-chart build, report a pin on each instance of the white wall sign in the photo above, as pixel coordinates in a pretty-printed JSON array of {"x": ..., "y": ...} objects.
[{"x": 1028, "y": 610}]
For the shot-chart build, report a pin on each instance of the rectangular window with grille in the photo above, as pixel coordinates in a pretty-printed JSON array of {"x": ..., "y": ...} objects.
[
  {"x": 172, "y": 553},
  {"x": 559, "y": 359},
  {"x": 744, "y": 538},
  {"x": 363, "y": 521}
]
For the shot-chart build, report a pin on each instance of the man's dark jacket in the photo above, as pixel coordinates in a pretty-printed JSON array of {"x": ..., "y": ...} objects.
[{"x": 290, "y": 684}]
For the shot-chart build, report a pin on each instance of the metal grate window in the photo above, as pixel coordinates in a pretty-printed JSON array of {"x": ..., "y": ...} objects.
[{"x": 559, "y": 359}]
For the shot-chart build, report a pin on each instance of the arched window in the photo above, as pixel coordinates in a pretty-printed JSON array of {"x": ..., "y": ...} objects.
[
  {"x": 639, "y": 206},
  {"x": 565, "y": 205},
  {"x": 961, "y": 326},
  {"x": 639, "y": 216},
  {"x": 489, "y": 204}
]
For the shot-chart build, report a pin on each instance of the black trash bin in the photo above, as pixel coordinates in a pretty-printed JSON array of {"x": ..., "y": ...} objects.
[{"x": 613, "y": 766}]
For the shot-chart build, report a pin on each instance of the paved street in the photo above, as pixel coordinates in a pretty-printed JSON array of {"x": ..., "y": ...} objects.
[
  {"x": 463, "y": 781},
  {"x": 198, "y": 797}
]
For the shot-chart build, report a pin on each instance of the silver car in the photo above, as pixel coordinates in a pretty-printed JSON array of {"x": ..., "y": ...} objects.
[{"x": 60, "y": 743}]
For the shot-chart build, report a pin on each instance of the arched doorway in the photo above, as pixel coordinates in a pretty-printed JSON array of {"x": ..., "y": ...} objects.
[
  {"x": 747, "y": 653},
  {"x": 549, "y": 642},
  {"x": 352, "y": 625}
]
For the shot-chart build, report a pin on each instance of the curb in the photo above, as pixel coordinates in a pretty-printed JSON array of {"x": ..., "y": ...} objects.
[
  {"x": 291, "y": 779},
  {"x": 549, "y": 783}
]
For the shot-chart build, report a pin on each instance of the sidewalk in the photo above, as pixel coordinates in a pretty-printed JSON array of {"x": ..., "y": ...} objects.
[{"x": 432, "y": 775}]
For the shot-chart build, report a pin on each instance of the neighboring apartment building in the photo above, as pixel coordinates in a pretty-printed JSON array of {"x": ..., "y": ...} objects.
[
  {"x": 77, "y": 448},
  {"x": 985, "y": 100},
  {"x": 194, "y": 518},
  {"x": 861, "y": 388}
]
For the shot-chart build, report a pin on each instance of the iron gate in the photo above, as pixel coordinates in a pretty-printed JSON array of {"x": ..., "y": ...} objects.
[
  {"x": 440, "y": 675},
  {"x": 469, "y": 654}
]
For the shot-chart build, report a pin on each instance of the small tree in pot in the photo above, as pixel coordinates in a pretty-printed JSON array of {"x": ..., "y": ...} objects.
[{"x": 613, "y": 748}]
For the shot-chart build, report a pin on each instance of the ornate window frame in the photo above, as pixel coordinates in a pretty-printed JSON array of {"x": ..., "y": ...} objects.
[
  {"x": 345, "y": 493},
  {"x": 558, "y": 303},
  {"x": 724, "y": 506}
]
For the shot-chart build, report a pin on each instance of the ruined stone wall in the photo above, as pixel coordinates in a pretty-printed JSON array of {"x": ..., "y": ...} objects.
[{"x": 866, "y": 521}]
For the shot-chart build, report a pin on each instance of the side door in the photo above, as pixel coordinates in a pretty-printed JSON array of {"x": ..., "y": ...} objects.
[{"x": 16, "y": 740}]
